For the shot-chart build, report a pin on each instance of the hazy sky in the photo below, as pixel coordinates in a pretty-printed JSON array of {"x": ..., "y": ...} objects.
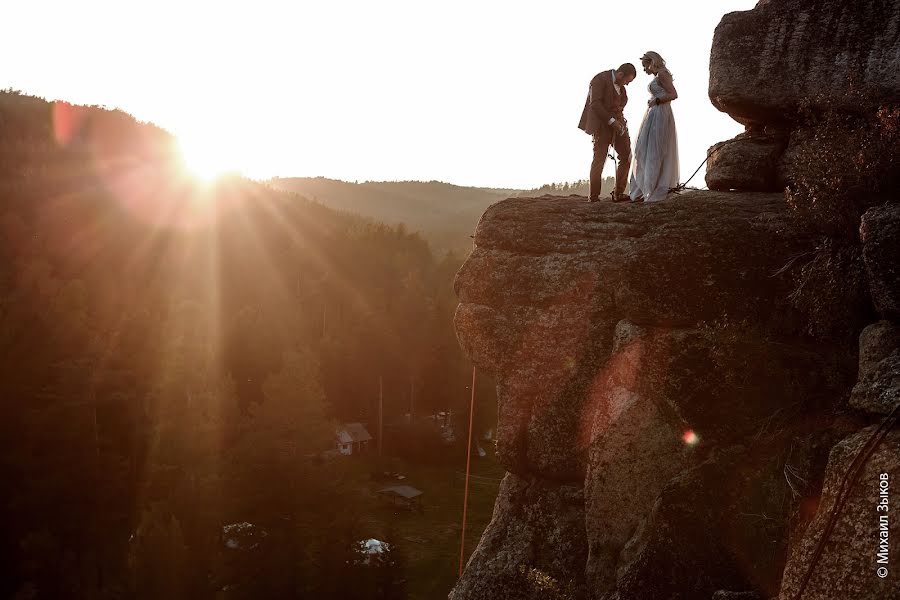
[{"x": 484, "y": 92}]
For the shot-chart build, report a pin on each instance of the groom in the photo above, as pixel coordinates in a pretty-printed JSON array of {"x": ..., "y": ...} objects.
[{"x": 602, "y": 118}]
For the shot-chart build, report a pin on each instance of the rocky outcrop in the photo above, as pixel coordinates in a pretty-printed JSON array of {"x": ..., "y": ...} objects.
[
  {"x": 748, "y": 162},
  {"x": 523, "y": 554},
  {"x": 880, "y": 235},
  {"x": 878, "y": 387},
  {"x": 550, "y": 279},
  {"x": 619, "y": 337},
  {"x": 776, "y": 67},
  {"x": 658, "y": 385},
  {"x": 765, "y": 63},
  {"x": 848, "y": 566},
  {"x": 720, "y": 525}
]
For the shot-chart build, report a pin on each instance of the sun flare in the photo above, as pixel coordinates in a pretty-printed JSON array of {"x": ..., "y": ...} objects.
[{"x": 205, "y": 158}]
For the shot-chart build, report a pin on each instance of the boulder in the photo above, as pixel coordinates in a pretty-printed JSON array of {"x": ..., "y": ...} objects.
[
  {"x": 878, "y": 387},
  {"x": 848, "y": 566},
  {"x": 748, "y": 162},
  {"x": 668, "y": 397},
  {"x": 719, "y": 526},
  {"x": 533, "y": 548},
  {"x": 880, "y": 234},
  {"x": 767, "y": 62}
]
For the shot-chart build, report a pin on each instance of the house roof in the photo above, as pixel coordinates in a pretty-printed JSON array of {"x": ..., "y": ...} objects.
[
  {"x": 353, "y": 432},
  {"x": 406, "y": 491}
]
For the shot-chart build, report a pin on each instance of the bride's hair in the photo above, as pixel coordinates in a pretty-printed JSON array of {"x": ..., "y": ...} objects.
[{"x": 656, "y": 61}]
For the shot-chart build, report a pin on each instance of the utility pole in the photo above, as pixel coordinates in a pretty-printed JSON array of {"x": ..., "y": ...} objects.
[{"x": 380, "y": 413}]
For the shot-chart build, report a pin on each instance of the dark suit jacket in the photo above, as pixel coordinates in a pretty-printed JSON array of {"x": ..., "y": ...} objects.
[{"x": 603, "y": 104}]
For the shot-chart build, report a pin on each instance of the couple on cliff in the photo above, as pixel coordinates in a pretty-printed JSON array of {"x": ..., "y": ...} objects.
[{"x": 655, "y": 168}]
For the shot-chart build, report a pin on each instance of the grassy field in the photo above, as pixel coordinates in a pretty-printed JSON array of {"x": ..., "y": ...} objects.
[{"x": 430, "y": 539}]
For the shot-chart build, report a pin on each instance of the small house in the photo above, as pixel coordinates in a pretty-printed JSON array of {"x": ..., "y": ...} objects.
[{"x": 352, "y": 438}]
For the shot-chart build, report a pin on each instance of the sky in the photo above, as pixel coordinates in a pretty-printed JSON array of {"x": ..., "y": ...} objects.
[{"x": 471, "y": 92}]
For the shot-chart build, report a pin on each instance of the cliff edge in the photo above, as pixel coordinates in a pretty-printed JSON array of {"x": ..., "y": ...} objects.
[{"x": 694, "y": 395}]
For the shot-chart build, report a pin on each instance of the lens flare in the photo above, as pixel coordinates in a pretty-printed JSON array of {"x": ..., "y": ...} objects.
[
  {"x": 690, "y": 438},
  {"x": 205, "y": 158}
]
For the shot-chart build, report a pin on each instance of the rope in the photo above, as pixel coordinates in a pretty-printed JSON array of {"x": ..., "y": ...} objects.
[
  {"x": 850, "y": 477},
  {"x": 462, "y": 541}
]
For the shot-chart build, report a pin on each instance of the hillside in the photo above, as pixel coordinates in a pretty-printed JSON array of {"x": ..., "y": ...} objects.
[
  {"x": 445, "y": 214},
  {"x": 175, "y": 351}
]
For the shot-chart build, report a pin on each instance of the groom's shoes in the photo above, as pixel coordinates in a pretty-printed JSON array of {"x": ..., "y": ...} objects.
[
  {"x": 620, "y": 197},
  {"x": 594, "y": 199}
]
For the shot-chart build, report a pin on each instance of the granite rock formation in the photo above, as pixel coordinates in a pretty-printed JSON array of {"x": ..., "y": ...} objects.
[
  {"x": 880, "y": 234},
  {"x": 662, "y": 416},
  {"x": 644, "y": 355},
  {"x": 751, "y": 162},
  {"x": 878, "y": 387},
  {"x": 768, "y": 62},
  {"x": 849, "y": 563},
  {"x": 674, "y": 422},
  {"x": 784, "y": 58}
]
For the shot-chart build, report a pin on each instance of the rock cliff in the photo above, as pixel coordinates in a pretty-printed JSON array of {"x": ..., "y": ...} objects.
[
  {"x": 774, "y": 66},
  {"x": 663, "y": 418},
  {"x": 674, "y": 421},
  {"x": 767, "y": 62}
]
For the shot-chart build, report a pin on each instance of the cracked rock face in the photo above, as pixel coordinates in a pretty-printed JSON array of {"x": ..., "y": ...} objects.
[
  {"x": 550, "y": 279},
  {"x": 597, "y": 322},
  {"x": 880, "y": 234},
  {"x": 878, "y": 387},
  {"x": 523, "y": 554},
  {"x": 768, "y": 61},
  {"x": 848, "y": 565}
]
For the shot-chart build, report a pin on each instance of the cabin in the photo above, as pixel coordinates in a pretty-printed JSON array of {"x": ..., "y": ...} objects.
[{"x": 352, "y": 438}]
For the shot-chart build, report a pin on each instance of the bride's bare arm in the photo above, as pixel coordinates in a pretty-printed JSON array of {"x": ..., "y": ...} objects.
[{"x": 665, "y": 80}]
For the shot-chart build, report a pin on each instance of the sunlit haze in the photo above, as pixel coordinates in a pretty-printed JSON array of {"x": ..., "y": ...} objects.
[{"x": 471, "y": 93}]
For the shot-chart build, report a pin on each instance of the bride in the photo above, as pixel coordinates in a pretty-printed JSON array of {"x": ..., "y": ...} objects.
[{"x": 655, "y": 165}]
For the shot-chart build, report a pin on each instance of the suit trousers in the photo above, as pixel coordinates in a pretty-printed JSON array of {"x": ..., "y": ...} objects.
[{"x": 602, "y": 141}]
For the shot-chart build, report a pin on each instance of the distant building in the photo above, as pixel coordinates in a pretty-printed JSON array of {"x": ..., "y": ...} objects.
[
  {"x": 402, "y": 495},
  {"x": 352, "y": 438}
]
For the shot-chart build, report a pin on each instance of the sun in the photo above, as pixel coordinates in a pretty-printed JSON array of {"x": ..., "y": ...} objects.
[{"x": 205, "y": 157}]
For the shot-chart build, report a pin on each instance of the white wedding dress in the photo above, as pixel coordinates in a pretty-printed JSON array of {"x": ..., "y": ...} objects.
[{"x": 654, "y": 167}]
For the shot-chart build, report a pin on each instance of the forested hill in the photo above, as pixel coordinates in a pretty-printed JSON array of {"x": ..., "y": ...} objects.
[
  {"x": 445, "y": 214},
  {"x": 171, "y": 349}
]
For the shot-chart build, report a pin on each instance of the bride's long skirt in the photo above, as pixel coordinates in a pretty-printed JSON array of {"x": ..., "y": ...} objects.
[{"x": 654, "y": 167}]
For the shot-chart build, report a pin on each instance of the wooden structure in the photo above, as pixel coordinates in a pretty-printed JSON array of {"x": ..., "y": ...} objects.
[
  {"x": 404, "y": 496},
  {"x": 352, "y": 438}
]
